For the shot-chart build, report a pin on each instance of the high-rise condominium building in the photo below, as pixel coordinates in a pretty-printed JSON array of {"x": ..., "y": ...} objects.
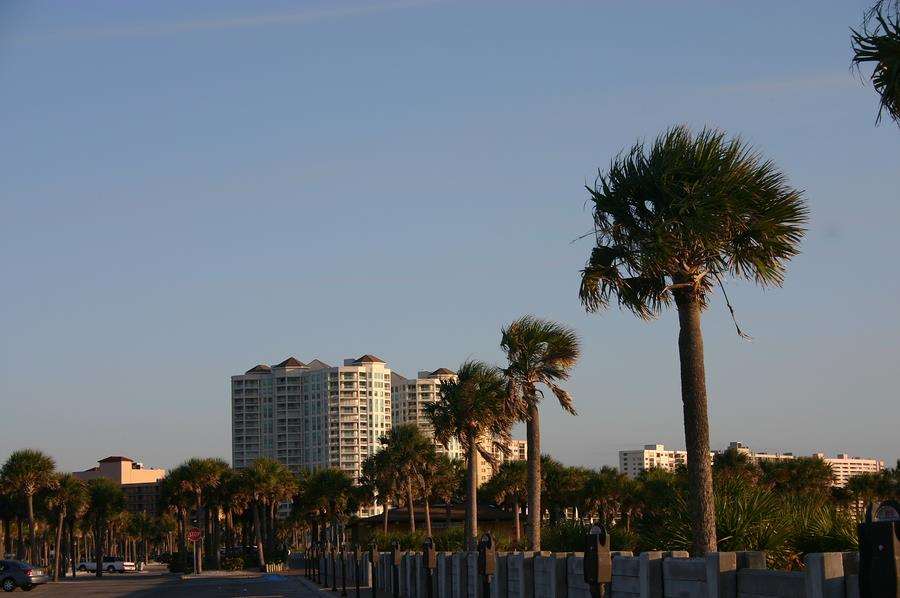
[
  {"x": 311, "y": 416},
  {"x": 409, "y": 397}
]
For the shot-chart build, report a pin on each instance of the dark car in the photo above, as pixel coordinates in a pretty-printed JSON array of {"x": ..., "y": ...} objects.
[{"x": 18, "y": 574}]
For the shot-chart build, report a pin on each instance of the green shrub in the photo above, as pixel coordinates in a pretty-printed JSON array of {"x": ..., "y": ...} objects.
[
  {"x": 233, "y": 563},
  {"x": 181, "y": 562}
]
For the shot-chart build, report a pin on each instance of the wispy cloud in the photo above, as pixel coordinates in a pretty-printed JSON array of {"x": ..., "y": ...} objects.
[{"x": 300, "y": 17}]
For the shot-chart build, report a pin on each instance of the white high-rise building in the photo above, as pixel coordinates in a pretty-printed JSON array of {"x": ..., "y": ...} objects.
[
  {"x": 311, "y": 416},
  {"x": 632, "y": 463},
  {"x": 410, "y": 397},
  {"x": 845, "y": 467}
]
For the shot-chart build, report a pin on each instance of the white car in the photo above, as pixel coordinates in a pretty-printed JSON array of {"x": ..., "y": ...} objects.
[{"x": 111, "y": 564}]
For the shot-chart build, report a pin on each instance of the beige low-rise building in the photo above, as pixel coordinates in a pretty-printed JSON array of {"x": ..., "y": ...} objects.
[{"x": 140, "y": 484}]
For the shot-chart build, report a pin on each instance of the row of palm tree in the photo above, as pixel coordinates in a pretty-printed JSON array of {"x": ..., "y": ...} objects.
[
  {"x": 477, "y": 408},
  {"x": 29, "y": 476}
]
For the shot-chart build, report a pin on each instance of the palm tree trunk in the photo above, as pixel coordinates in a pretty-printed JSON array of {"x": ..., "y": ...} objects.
[
  {"x": 73, "y": 547},
  {"x": 696, "y": 425},
  {"x": 33, "y": 540},
  {"x": 533, "y": 440},
  {"x": 427, "y": 517},
  {"x": 98, "y": 547},
  {"x": 59, "y": 534},
  {"x": 258, "y": 536},
  {"x": 7, "y": 536},
  {"x": 472, "y": 494},
  {"x": 516, "y": 509},
  {"x": 20, "y": 544},
  {"x": 384, "y": 512},
  {"x": 410, "y": 506},
  {"x": 198, "y": 546}
]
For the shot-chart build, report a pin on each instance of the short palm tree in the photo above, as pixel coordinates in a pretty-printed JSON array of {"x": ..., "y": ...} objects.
[
  {"x": 106, "y": 500},
  {"x": 379, "y": 479},
  {"x": 510, "y": 485},
  {"x": 200, "y": 476},
  {"x": 330, "y": 492},
  {"x": 26, "y": 472},
  {"x": 432, "y": 467},
  {"x": 407, "y": 446},
  {"x": 539, "y": 352},
  {"x": 473, "y": 409},
  {"x": 142, "y": 525},
  {"x": 878, "y": 42},
  {"x": 69, "y": 495},
  {"x": 671, "y": 221}
]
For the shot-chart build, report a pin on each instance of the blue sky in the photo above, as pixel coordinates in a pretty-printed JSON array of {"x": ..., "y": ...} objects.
[{"x": 192, "y": 188}]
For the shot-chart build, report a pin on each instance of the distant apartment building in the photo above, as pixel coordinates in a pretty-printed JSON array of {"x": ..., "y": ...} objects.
[
  {"x": 140, "y": 484},
  {"x": 409, "y": 398},
  {"x": 632, "y": 463},
  {"x": 757, "y": 457},
  {"x": 845, "y": 467},
  {"x": 311, "y": 415}
]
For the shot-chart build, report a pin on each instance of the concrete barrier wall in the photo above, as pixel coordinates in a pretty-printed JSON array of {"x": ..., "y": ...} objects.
[{"x": 648, "y": 575}]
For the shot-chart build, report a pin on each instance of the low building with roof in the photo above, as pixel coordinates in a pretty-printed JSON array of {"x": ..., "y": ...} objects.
[{"x": 139, "y": 483}]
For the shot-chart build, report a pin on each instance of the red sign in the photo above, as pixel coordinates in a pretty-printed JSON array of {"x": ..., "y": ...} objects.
[{"x": 194, "y": 534}]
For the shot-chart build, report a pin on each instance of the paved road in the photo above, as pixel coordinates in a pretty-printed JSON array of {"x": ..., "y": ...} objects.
[{"x": 152, "y": 584}]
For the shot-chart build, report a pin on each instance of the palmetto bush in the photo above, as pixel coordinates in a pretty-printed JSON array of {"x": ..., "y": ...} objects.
[{"x": 754, "y": 517}]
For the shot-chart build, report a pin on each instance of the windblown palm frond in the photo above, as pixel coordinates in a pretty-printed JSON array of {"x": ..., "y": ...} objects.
[
  {"x": 539, "y": 352},
  {"x": 878, "y": 41},
  {"x": 677, "y": 216}
]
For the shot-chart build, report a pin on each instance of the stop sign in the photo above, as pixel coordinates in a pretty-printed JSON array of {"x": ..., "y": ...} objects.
[{"x": 194, "y": 534}]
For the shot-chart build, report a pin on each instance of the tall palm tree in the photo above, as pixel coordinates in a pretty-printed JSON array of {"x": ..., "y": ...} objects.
[
  {"x": 672, "y": 220},
  {"x": 510, "y": 485},
  {"x": 407, "y": 446},
  {"x": 539, "y": 352},
  {"x": 69, "y": 496},
  {"x": 106, "y": 500},
  {"x": 199, "y": 476},
  {"x": 26, "y": 472},
  {"x": 878, "y": 42},
  {"x": 474, "y": 410}
]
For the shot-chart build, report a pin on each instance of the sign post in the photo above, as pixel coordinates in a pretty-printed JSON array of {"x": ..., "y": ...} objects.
[{"x": 194, "y": 536}]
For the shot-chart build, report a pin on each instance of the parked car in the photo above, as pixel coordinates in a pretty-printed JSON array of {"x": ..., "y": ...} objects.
[
  {"x": 18, "y": 574},
  {"x": 111, "y": 564}
]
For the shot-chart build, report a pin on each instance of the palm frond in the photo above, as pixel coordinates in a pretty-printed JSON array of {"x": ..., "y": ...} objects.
[{"x": 878, "y": 42}]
